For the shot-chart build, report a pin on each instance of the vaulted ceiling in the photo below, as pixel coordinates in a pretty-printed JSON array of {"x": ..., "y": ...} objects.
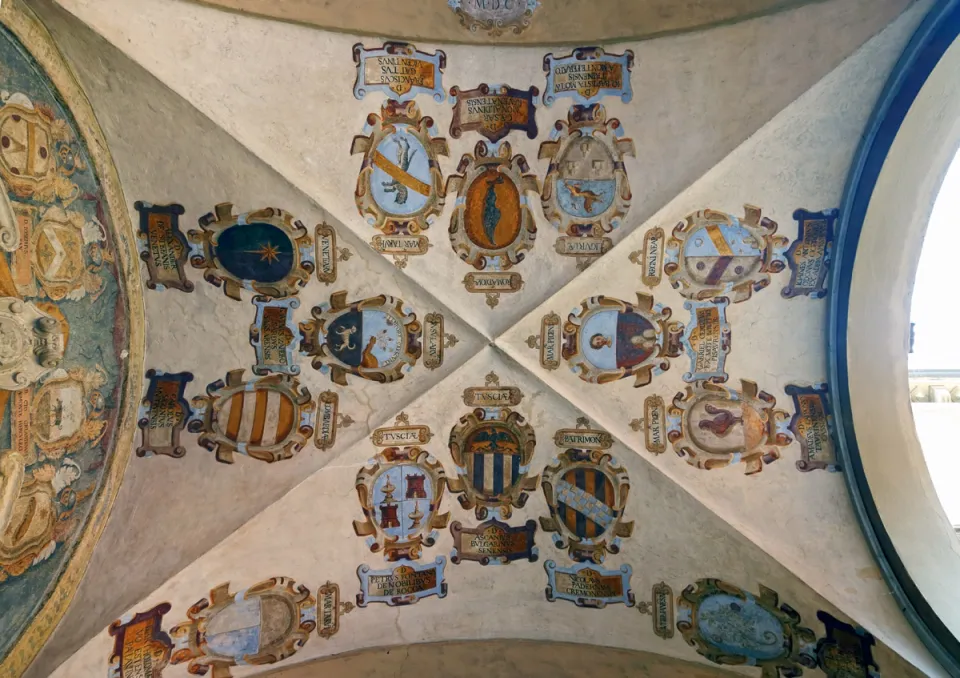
[{"x": 747, "y": 127}]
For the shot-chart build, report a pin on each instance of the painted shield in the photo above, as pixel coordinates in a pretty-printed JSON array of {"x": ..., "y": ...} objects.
[
  {"x": 368, "y": 339},
  {"x": 25, "y": 144},
  {"x": 258, "y": 417},
  {"x": 738, "y": 627},
  {"x": 58, "y": 252},
  {"x": 256, "y": 251},
  {"x": 586, "y": 186},
  {"x": 586, "y": 502},
  {"x": 612, "y": 339},
  {"x": 715, "y": 254},
  {"x": 248, "y": 627},
  {"x": 401, "y": 181},
  {"x": 723, "y": 426},
  {"x": 492, "y": 457},
  {"x": 401, "y": 502},
  {"x": 30, "y": 527},
  {"x": 492, "y": 218},
  {"x": 59, "y": 411}
]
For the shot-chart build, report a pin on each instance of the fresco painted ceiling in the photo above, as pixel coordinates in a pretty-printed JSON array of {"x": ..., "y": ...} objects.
[
  {"x": 437, "y": 343},
  {"x": 512, "y": 21}
]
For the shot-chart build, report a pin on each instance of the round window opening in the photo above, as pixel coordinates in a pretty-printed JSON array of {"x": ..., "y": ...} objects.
[{"x": 934, "y": 361}]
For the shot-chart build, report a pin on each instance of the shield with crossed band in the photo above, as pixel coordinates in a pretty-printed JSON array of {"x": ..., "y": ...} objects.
[
  {"x": 586, "y": 492},
  {"x": 713, "y": 254},
  {"x": 400, "y": 187}
]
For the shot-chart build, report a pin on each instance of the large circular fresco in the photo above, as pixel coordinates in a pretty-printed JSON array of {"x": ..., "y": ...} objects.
[{"x": 65, "y": 337}]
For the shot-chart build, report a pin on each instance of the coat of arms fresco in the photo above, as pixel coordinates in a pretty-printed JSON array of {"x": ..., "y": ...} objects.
[
  {"x": 713, "y": 254},
  {"x": 65, "y": 342},
  {"x": 492, "y": 226},
  {"x": 607, "y": 339},
  {"x": 400, "y": 188},
  {"x": 267, "y": 251},
  {"x": 586, "y": 194},
  {"x": 586, "y": 492},
  {"x": 733, "y": 627},
  {"x": 492, "y": 447},
  {"x": 263, "y": 624},
  {"x": 378, "y": 338},
  {"x": 269, "y": 418},
  {"x": 400, "y": 491},
  {"x": 712, "y": 426}
]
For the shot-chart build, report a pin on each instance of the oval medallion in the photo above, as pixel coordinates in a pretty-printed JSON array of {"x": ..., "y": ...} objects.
[
  {"x": 402, "y": 179},
  {"x": 492, "y": 217}
]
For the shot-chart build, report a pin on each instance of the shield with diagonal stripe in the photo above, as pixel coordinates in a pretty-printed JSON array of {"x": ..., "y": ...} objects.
[
  {"x": 586, "y": 502},
  {"x": 717, "y": 253},
  {"x": 401, "y": 180}
]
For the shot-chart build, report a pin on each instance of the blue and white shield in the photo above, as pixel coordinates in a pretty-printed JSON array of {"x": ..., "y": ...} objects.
[{"x": 401, "y": 181}]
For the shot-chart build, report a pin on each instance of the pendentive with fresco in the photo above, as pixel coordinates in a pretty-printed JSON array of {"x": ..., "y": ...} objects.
[{"x": 65, "y": 337}]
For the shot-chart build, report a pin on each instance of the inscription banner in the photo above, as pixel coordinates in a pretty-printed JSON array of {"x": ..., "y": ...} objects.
[
  {"x": 485, "y": 396},
  {"x": 404, "y": 583},
  {"x": 141, "y": 649},
  {"x": 493, "y": 111},
  {"x": 399, "y": 70},
  {"x": 274, "y": 336},
  {"x": 587, "y": 75},
  {"x": 493, "y": 542},
  {"x": 400, "y": 245},
  {"x": 550, "y": 341},
  {"x": 328, "y": 606},
  {"x": 810, "y": 254},
  {"x": 327, "y": 423},
  {"x": 325, "y": 241},
  {"x": 163, "y": 247},
  {"x": 583, "y": 439},
  {"x": 706, "y": 340},
  {"x": 650, "y": 258},
  {"x": 493, "y": 282},
  {"x": 654, "y": 425},
  {"x": 663, "y": 610},
  {"x": 163, "y": 413},
  {"x": 811, "y": 425},
  {"x": 589, "y": 586},
  {"x": 433, "y": 339},
  {"x": 586, "y": 246},
  {"x": 401, "y": 436}
]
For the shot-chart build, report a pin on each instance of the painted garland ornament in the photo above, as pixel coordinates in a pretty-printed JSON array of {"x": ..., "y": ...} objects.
[
  {"x": 607, "y": 339},
  {"x": 377, "y": 338},
  {"x": 586, "y": 193},
  {"x": 586, "y": 491},
  {"x": 400, "y": 188},
  {"x": 270, "y": 418},
  {"x": 492, "y": 226},
  {"x": 712, "y": 426},
  {"x": 267, "y": 251},
  {"x": 400, "y": 491},
  {"x": 263, "y": 624},
  {"x": 730, "y": 626},
  {"x": 713, "y": 254}
]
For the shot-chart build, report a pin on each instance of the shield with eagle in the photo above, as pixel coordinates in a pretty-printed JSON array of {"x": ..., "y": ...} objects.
[{"x": 492, "y": 448}]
